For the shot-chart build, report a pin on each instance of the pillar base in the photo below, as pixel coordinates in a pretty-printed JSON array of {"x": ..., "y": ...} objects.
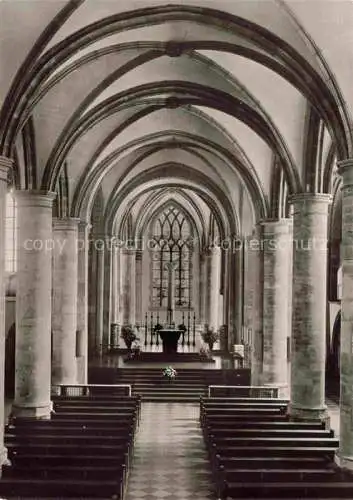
[
  {"x": 299, "y": 413},
  {"x": 57, "y": 380},
  {"x": 345, "y": 463},
  {"x": 38, "y": 412}
]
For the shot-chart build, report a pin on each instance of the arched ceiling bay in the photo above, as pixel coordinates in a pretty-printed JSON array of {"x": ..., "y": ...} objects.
[
  {"x": 229, "y": 81},
  {"x": 123, "y": 201}
]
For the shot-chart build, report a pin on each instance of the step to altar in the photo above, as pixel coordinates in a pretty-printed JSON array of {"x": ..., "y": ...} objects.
[{"x": 160, "y": 357}]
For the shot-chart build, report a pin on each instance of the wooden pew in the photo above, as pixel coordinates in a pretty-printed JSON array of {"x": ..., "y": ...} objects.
[
  {"x": 274, "y": 442},
  {"x": 277, "y": 424},
  {"x": 95, "y": 472},
  {"x": 224, "y": 432},
  {"x": 270, "y": 463},
  {"x": 88, "y": 441},
  {"x": 35, "y": 429},
  {"x": 253, "y": 443},
  {"x": 295, "y": 490},
  {"x": 58, "y": 488},
  {"x": 79, "y": 440}
]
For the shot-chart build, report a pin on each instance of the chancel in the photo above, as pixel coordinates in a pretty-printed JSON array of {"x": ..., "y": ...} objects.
[{"x": 176, "y": 278}]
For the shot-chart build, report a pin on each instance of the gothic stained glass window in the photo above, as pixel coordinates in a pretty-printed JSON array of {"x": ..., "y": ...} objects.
[{"x": 172, "y": 242}]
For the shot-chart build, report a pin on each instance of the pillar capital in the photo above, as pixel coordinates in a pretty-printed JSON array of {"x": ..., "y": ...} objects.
[
  {"x": 34, "y": 198},
  {"x": 84, "y": 224},
  {"x": 345, "y": 170},
  {"x": 65, "y": 224},
  {"x": 211, "y": 249},
  {"x": 276, "y": 226},
  {"x": 6, "y": 165},
  {"x": 130, "y": 251},
  {"x": 307, "y": 201}
]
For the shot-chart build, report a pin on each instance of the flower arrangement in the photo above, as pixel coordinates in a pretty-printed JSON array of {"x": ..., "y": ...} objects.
[
  {"x": 169, "y": 372},
  {"x": 128, "y": 335},
  {"x": 210, "y": 336},
  {"x": 182, "y": 327}
]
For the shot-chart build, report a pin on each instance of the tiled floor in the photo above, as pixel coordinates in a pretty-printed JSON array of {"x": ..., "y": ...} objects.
[{"x": 170, "y": 459}]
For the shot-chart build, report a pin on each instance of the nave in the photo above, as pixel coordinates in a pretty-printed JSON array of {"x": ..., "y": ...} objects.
[
  {"x": 170, "y": 459},
  {"x": 100, "y": 443},
  {"x": 176, "y": 171}
]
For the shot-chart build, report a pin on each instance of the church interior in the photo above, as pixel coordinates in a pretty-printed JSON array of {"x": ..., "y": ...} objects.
[{"x": 176, "y": 249}]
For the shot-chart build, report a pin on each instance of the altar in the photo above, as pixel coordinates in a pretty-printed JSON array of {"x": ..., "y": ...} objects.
[{"x": 170, "y": 338}]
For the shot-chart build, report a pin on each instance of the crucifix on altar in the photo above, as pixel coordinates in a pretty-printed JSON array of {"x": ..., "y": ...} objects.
[{"x": 171, "y": 266}]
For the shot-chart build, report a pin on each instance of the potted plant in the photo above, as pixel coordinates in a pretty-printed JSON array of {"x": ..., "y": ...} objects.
[
  {"x": 136, "y": 348},
  {"x": 182, "y": 327},
  {"x": 205, "y": 354},
  {"x": 128, "y": 335},
  {"x": 210, "y": 336}
]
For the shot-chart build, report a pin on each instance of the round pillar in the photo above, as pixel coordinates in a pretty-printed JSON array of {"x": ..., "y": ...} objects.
[
  {"x": 308, "y": 351},
  {"x": 203, "y": 287},
  {"x": 139, "y": 271},
  {"x": 213, "y": 286},
  {"x": 82, "y": 301},
  {"x": 277, "y": 244},
  {"x": 64, "y": 315},
  {"x": 345, "y": 452},
  {"x": 33, "y": 304},
  {"x": 129, "y": 286},
  {"x": 100, "y": 248},
  {"x": 5, "y": 168}
]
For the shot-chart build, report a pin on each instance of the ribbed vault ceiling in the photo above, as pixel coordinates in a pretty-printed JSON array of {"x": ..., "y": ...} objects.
[{"x": 229, "y": 105}]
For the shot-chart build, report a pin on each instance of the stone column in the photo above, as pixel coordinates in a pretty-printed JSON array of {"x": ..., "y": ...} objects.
[
  {"x": 213, "y": 285},
  {"x": 100, "y": 296},
  {"x": 107, "y": 294},
  {"x": 92, "y": 295},
  {"x": 139, "y": 318},
  {"x": 64, "y": 313},
  {"x": 170, "y": 266},
  {"x": 129, "y": 287},
  {"x": 33, "y": 304},
  {"x": 345, "y": 452},
  {"x": 237, "y": 296},
  {"x": 5, "y": 168},
  {"x": 115, "y": 284},
  {"x": 308, "y": 344},
  {"x": 114, "y": 298},
  {"x": 203, "y": 287},
  {"x": 255, "y": 286},
  {"x": 82, "y": 301},
  {"x": 276, "y": 254}
]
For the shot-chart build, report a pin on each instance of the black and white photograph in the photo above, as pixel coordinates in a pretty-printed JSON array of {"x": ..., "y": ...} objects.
[{"x": 176, "y": 249}]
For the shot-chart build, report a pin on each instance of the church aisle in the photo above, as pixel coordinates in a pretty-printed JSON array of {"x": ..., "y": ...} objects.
[{"x": 170, "y": 461}]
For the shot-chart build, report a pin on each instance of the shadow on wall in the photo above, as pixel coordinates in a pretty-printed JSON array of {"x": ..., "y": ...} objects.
[{"x": 10, "y": 346}]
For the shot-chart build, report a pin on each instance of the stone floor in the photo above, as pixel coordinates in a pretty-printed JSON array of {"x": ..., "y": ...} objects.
[{"x": 170, "y": 461}]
